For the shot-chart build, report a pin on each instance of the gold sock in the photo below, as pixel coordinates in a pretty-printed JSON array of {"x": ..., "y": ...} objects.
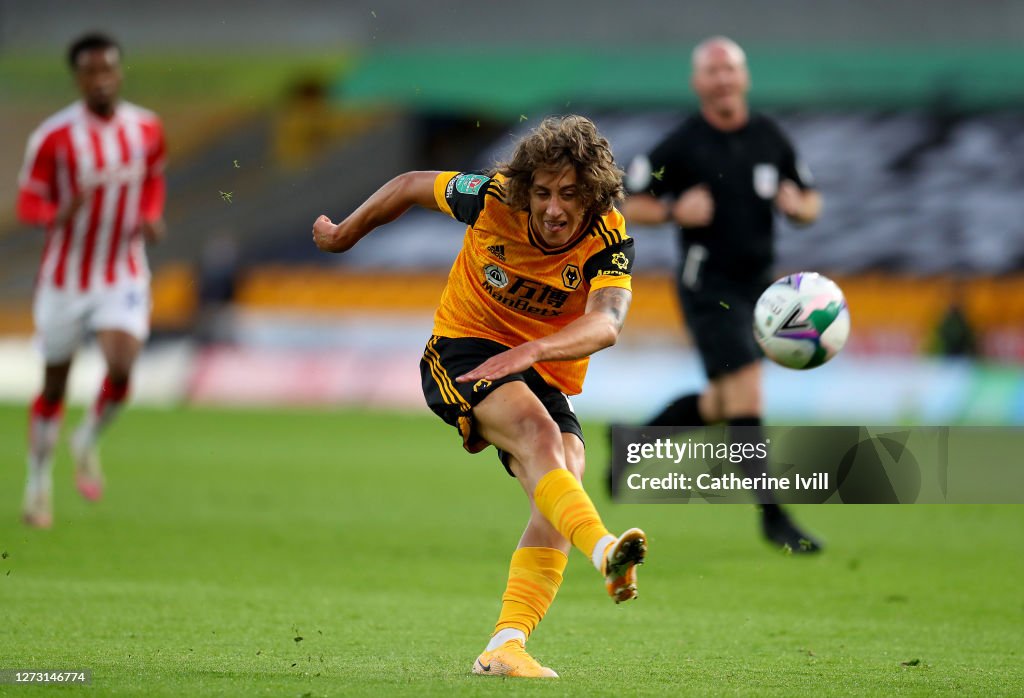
[
  {"x": 533, "y": 580},
  {"x": 563, "y": 502}
]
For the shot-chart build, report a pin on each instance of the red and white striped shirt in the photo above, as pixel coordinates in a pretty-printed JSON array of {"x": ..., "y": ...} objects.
[{"x": 117, "y": 164}]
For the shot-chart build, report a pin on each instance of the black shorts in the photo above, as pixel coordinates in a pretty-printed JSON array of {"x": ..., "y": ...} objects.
[
  {"x": 447, "y": 357},
  {"x": 720, "y": 315}
]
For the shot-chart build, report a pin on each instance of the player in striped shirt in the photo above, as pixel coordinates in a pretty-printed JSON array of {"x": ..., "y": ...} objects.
[{"x": 93, "y": 179}]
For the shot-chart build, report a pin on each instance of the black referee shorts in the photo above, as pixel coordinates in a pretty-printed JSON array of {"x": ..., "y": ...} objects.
[
  {"x": 720, "y": 316},
  {"x": 445, "y": 358}
]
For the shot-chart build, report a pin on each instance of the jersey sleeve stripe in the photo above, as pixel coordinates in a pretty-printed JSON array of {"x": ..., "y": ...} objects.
[
  {"x": 602, "y": 234},
  {"x": 440, "y": 186},
  {"x": 614, "y": 234},
  {"x": 37, "y": 187},
  {"x": 35, "y": 144},
  {"x": 625, "y": 282}
]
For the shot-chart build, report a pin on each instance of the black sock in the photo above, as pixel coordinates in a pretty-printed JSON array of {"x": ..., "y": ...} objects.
[
  {"x": 748, "y": 430},
  {"x": 684, "y": 412}
]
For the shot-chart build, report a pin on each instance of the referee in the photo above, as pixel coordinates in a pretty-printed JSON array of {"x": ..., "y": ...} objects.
[{"x": 720, "y": 176}]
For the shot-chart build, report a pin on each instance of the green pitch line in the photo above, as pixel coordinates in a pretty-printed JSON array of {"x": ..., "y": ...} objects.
[
  {"x": 154, "y": 78},
  {"x": 293, "y": 553}
]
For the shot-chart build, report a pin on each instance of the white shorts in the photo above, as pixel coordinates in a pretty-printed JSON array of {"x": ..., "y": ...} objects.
[{"x": 63, "y": 317}]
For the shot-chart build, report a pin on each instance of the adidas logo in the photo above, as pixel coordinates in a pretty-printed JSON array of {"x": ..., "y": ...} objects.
[{"x": 498, "y": 251}]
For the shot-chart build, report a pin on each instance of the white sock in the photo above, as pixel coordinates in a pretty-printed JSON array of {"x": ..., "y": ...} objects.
[
  {"x": 42, "y": 440},
  {"x": 597, "y": 556},
  {"x": 93, "y": 424},
  {"x": 503, "y": 636}
]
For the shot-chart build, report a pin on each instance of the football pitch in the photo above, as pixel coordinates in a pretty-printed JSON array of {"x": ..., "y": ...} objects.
[{"x": 321, "y": 553}]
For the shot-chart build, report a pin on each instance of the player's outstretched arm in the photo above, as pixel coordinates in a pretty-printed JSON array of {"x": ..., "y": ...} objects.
[
  {"x": 694, "y": 208},
  {"x": 597, "y": 329},
  {"x": 384, "y": 205},
  {"x": 644, "y": 209}
]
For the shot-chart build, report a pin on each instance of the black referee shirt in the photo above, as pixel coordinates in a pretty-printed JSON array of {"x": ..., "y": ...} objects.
[{"x": 742, "y": 169}]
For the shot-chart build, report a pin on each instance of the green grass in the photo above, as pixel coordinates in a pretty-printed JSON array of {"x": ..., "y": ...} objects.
[
  {"x": 227, "y": 535},
  {"x": 253, "y": 79}
]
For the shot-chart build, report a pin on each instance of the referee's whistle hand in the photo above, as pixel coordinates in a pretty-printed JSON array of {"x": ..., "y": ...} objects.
[
  {"x": 694, "y": 208},
  {"x": 789, "y": 199}
]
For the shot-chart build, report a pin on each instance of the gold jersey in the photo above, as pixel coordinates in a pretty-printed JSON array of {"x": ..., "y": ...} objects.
[{"x": 508, "y": 286}]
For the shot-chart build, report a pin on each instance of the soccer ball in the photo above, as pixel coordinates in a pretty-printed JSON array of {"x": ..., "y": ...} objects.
[{"x": 801, "y": 321}]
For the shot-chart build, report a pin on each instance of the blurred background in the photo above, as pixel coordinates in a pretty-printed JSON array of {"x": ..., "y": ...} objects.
[{"x": 909, "y": 113}]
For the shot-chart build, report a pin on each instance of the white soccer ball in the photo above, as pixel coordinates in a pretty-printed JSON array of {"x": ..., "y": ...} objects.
[{"x": 801, "y": 321}]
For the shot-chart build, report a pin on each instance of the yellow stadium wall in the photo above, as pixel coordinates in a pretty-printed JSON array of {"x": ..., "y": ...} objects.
[{"x": 878, "y": 303}]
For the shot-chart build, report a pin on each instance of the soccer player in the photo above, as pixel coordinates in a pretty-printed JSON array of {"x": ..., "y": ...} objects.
[
  {"x": 93, "y": 178},
  {"x": 541, "y": 283},
  {"x": 720, "y": 176}
]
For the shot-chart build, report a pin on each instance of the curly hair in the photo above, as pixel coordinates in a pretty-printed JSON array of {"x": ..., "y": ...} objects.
[
  {"x": 560, "y": 141},
  {"x": 91, "y": 42}
]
